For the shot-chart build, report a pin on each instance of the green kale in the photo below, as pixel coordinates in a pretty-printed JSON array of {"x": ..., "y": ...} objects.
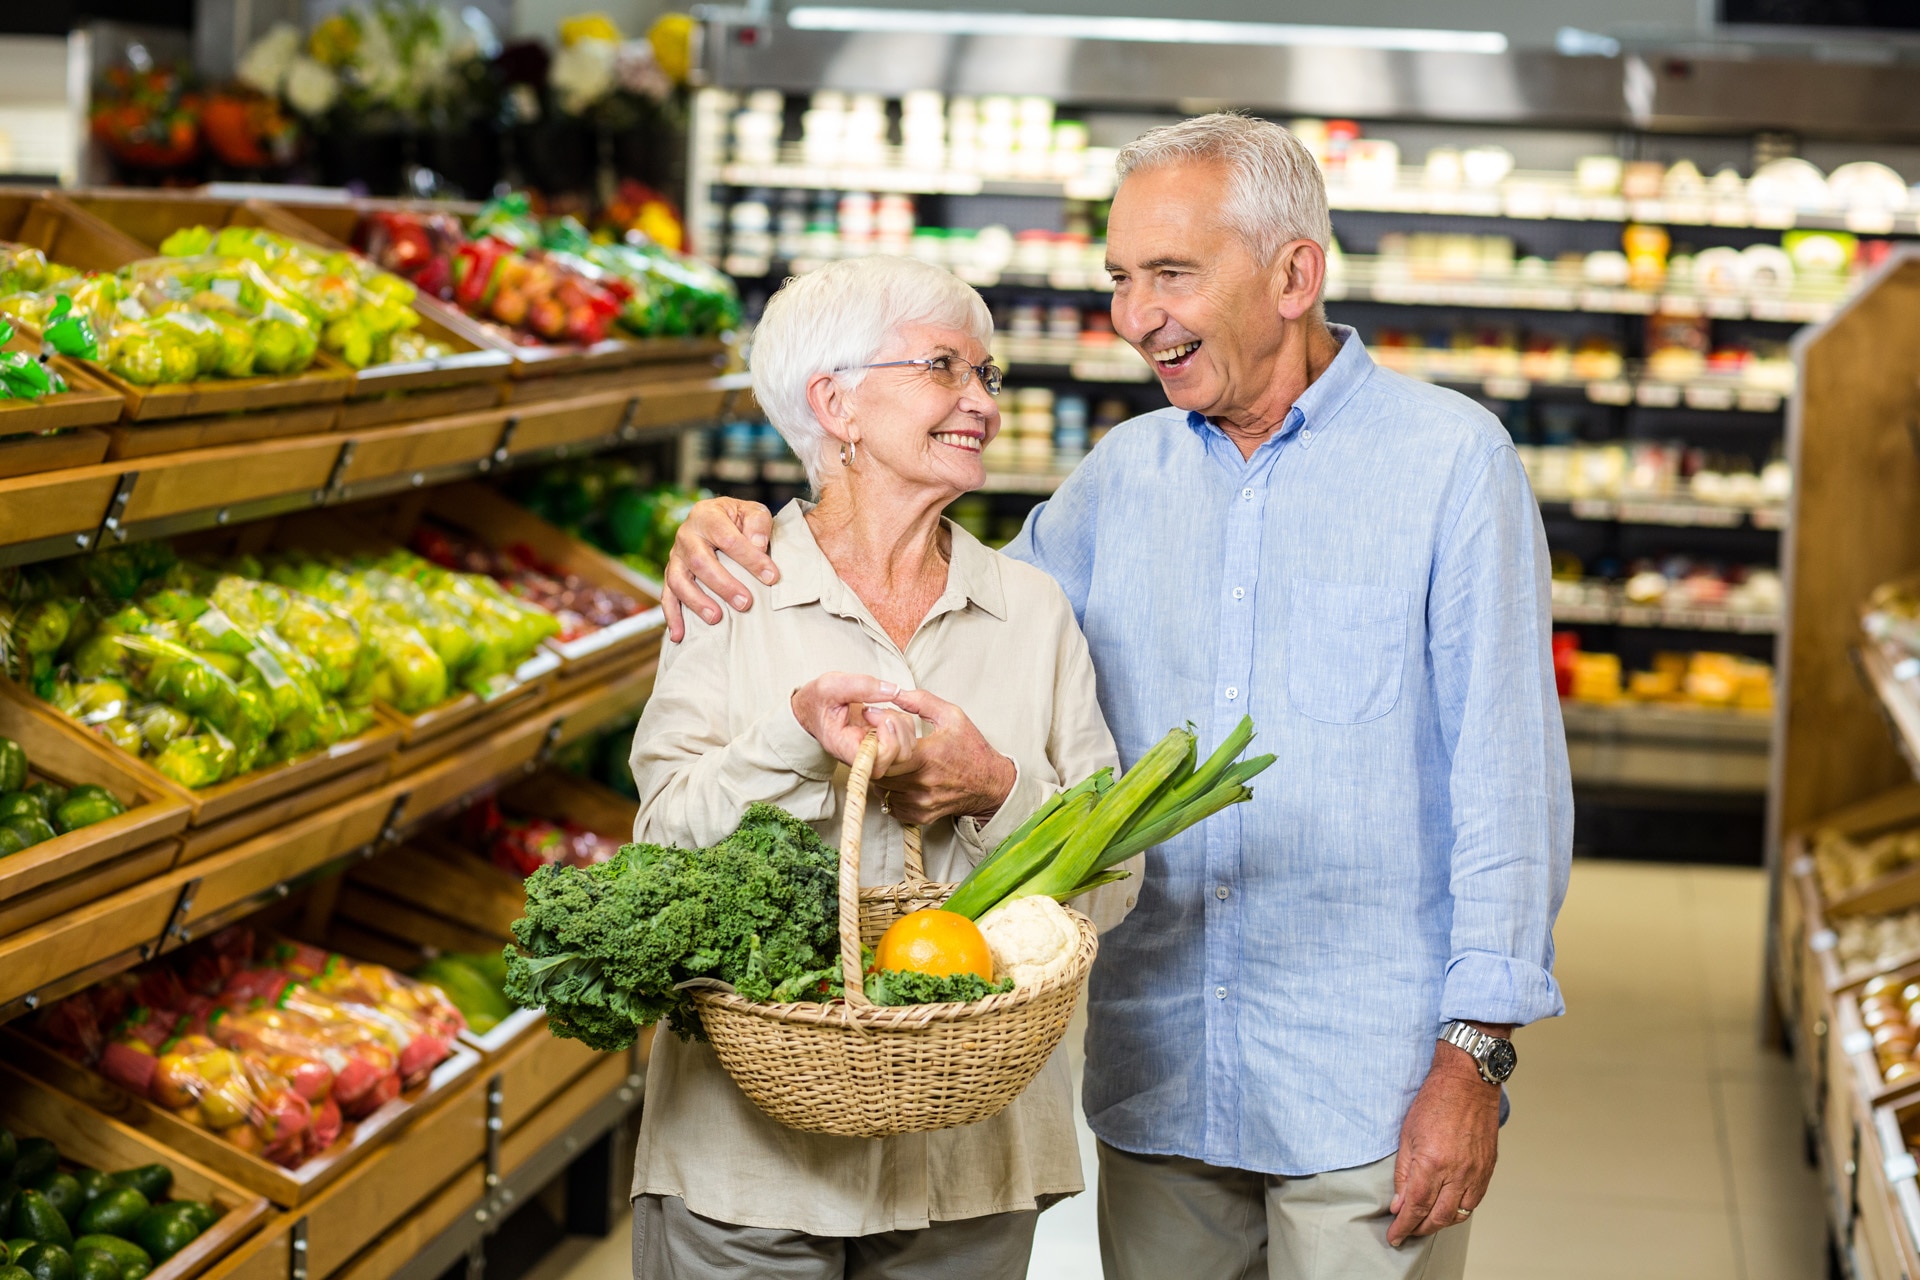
[
  {"x": 603, "y": 948},
  {"x": 903, "y": 986}
]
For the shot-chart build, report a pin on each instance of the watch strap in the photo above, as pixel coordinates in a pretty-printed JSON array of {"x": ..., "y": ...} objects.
[{"x": 1474, "y": 1042}]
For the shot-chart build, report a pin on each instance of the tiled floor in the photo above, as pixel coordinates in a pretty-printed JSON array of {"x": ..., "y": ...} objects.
[{"x": 1650, "y": 1137}]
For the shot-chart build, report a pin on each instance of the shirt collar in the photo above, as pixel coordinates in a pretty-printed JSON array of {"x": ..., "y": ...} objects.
[
  {"x": 1324, "y": 397},
  {"x": 807, "y": 576}
]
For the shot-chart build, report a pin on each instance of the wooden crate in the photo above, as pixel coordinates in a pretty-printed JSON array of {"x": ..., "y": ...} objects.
[
  {"x": 144, "y": 440},
  {"x": 285, "y": 1187},
  {"x": 85, "y": 403},
  {"x": 57, "y": 754},
  {"x": 86, "y": 1137},
  {"x": 223, "y": 800},
  {"x": 150, "y": 217},
  {"x": 434, "y": 890}
]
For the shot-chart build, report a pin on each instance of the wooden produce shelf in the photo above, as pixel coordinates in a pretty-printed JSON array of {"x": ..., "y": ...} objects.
[
  {"x": 85, "y": 403},
  {"x": 155, "y": 812},
  {"x": 286, "y": 1187},
  {"x": 150, "y": 217},
  {"x": 56, "y": 513},
  {"x": 1882, "y": 1237},
  {"x": 85, "y": 1136}
]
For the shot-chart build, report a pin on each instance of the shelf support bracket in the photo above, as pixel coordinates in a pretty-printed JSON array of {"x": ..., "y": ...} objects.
[
  {"x": 297, "y": 1251},
  {"x": 114, "y": 525},
  {"x": 503, "y": 447},
  {"x": 177, "y": 918}
]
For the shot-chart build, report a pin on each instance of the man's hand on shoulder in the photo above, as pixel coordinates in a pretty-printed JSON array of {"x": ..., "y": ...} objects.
[
  {"x": 1448, "y": 1145},
  {"x": 741, "y": 530}
]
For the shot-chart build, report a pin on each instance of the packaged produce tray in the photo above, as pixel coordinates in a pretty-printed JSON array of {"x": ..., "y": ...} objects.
[
  {"x": 225, "y": 799},
  {"x": 150, "y": 217},
  {"x": 286, "y": 1187},
  {"x": 482, "y": 514},
  {"x": 74, "y": 237},
  {"x": 541, "y": 361},
  {"x": 1885, "y": 1226},
  {"x": 82, "y": 858},
  {"x": 86, "y": 1137}
]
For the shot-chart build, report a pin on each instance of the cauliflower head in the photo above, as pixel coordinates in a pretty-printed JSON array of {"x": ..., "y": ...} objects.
[{"x": 1032, "y": 939}]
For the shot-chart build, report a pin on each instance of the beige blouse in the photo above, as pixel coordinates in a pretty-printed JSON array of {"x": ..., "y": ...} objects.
[{"x": 719, "y": 733}]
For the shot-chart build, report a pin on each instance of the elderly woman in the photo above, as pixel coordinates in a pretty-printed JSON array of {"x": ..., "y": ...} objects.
[{"x": 971, "y": 669}]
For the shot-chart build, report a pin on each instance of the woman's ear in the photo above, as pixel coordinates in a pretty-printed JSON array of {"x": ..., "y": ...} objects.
[{"x": 832, "y": 405}]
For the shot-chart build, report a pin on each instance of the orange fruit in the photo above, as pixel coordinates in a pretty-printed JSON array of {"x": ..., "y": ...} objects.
[{"x": 940, "y": 943}]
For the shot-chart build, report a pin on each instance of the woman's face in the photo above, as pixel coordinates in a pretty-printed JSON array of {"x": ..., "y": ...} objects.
[{"x": 913, "y": 428}]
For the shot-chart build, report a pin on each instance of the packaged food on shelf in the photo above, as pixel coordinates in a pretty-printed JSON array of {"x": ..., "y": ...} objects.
[
  {"x": 365, "y": 315},
  {"x": 476, "y": 984},
  {"x": 273, "y": 1046},
  {"x": 1887, "y": 1009},
  {"x": 579, "y": 607},
  {"x": 1845, "y": 863},
  {"x": 1868, "y": 944},
  {"x": 1702, "y": 680}
]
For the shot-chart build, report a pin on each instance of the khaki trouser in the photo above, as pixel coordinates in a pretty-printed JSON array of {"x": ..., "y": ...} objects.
[
  {"x": 671, "y": 1242},
  {"x": 1166, "y": 1216}
]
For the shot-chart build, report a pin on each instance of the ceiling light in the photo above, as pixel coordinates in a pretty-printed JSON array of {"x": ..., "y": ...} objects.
[{"x": 1145, "y": 30}]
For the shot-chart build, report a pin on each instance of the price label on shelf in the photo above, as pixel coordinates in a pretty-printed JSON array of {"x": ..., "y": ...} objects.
[
  {"x": 1802, "y": 866},
  {"x": 1616, "y": 391},
  {"x": 1856, "y": 1041},
  {"x": 1822, "y": 941},
  {"x": 1902, "y": 1167},
  {"x": 1507, "y": 388}
]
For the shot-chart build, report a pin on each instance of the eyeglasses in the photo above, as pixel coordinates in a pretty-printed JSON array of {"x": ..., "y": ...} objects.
[{"x": 950, "y": 372}]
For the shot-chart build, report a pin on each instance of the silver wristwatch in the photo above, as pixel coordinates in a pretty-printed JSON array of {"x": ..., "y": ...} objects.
[{"x": 1495, "y": 1057}]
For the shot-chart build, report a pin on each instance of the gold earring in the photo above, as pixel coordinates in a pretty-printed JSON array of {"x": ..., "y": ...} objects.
[{"x": 849, "y": 453}]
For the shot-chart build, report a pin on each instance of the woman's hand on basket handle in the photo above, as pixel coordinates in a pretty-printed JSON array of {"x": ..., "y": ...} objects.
[
  {"x": 740, "y": 530},
  {"x": 837, "y": 710},
  {"x": 950, "y": 772}
]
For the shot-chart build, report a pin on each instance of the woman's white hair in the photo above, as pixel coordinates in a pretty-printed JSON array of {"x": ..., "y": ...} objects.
[
  {"x": 1275, "y": 191},
  {"x": 841, "y": 317}
]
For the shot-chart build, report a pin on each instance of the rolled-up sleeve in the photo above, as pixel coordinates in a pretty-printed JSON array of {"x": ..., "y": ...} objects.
[
  {"x": 1489, "y": 629},
  {"x": 694, "y": 774}
]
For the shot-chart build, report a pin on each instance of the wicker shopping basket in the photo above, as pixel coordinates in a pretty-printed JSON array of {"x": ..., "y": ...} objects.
[{"x": 866, "y": 1071}]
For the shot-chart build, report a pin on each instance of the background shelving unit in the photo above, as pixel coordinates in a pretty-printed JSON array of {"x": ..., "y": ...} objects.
[{"x": 1711, "y": 804}]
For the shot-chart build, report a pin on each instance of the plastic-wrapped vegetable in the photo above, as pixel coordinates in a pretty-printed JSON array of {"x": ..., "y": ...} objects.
[{"x": 198, "y": 759}]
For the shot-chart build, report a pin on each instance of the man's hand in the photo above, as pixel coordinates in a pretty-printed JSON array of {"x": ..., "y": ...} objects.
[
  {"x": 741, "y": 530},
  {"x": 951, "y": 772},
  {"x": 1448, "y": 1144}
]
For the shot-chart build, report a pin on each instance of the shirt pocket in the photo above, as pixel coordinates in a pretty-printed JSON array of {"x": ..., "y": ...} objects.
[{"x": 1346, "y": 648}]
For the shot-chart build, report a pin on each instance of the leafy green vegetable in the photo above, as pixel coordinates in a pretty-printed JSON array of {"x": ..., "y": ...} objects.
[
  {"x": 903, "y": 986},
  {"x": 602, "y": 948}
]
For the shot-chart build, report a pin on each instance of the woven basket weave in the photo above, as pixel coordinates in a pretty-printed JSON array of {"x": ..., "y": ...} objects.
[{"x": 867, "y": 1071}]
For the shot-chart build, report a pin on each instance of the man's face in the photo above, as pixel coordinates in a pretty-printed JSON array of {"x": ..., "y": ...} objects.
[{"x": 1188, "y": 293}]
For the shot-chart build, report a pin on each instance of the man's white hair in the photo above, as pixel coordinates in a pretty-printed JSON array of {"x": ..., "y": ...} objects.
[
  {"x": 841, "y": 317},
  {"x": 1275, "y": 191}
]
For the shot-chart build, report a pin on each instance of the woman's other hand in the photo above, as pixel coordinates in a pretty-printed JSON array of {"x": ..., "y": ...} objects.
[
  {"x": 950, "y": 772},
  {"x": 834, "y": 709},
  {"x": 740, "y": 530}
]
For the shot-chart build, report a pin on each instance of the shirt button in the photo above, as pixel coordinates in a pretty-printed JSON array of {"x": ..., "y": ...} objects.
[
  {"x": 1247, "y": 494},
  {"x": 1219, "y": 993},
  {"x": 1233, "y": 692},
  {"x": 1221, "y": 893},
  {"x": 1239, "y": 593},
  {"x": 1306, "y": 433}
]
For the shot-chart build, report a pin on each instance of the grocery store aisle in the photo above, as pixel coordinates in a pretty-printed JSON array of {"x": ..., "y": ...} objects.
[{"x": 1650, "y": 1136}]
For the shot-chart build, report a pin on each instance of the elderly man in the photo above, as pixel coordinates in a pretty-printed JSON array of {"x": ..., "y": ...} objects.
[{"x": 1297, "y": 1041}]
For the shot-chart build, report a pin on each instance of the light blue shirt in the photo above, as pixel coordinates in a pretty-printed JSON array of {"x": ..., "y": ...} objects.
[{"x": 1372, "y": 587}]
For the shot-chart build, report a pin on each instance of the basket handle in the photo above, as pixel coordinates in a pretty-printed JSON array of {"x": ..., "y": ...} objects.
[{"x": 852, "y": 825}]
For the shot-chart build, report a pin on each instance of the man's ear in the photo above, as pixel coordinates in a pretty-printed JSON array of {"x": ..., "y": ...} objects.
[
  {"x": 1299, "y": 271},
  {"x": 832, "y": 405}
]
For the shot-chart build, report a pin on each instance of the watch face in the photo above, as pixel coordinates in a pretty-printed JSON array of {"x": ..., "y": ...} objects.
[{"x": 1501, "y": 1060}]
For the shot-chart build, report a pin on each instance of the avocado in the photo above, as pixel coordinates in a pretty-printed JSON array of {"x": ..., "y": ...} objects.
[
  {"x": 151, "y": 1180},
  {"x": 95, "y": 1264},
  {"x": 198, "y": 1212},
  {"x": 35, "y": 1218},
  {"x": 165, "y": 1230},
  {"x": 63, "y": 1192},
  {"x": 36, "y": 1160},
  {"x": 132, "y": 1259},
  {"x": 93, "y": 1183},
  {"x": 113, "y": 1214},
  {"x": 10, "y": 841},
  {"x": 8, "y": 1194},
  {"x": 14, "y": 1273},
  {"x": 9, "y": 1150},
  {"x": 15, "y": 1248},
  {"x": 49, "y": 794},
  {"x": 6, "y": 1256},
  {"x": 47, "y": 1262}
]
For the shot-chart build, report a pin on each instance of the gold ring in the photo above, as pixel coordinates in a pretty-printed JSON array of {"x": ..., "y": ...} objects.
[{"x": 1463, "y": 1214}]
